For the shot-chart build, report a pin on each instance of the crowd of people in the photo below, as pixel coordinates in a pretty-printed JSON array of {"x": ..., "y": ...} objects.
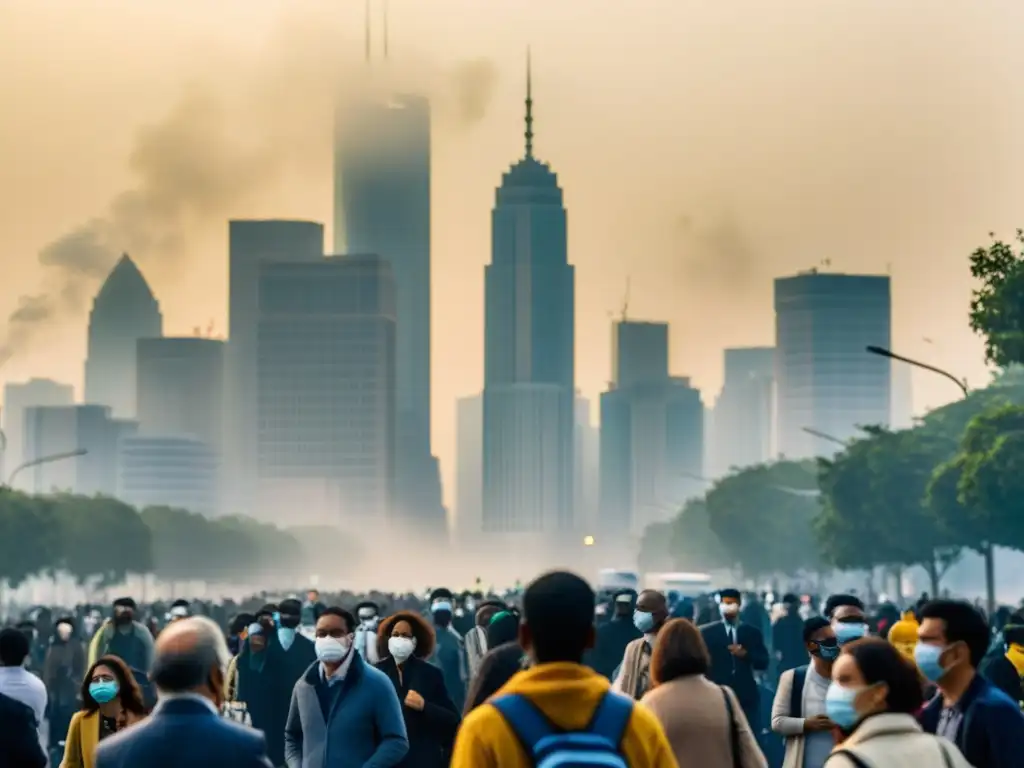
[{"x": 550, "y": 675}]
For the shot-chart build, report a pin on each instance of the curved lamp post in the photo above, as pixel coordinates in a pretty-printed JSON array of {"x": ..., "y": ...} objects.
[{"x": 45, "y": 460}]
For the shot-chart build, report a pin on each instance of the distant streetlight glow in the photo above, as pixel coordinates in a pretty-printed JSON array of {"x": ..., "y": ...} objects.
[{"x": 588, "y": 541}]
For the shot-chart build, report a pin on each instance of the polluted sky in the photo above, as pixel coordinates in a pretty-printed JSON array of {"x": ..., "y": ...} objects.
[{"x": 704, "y": 147}]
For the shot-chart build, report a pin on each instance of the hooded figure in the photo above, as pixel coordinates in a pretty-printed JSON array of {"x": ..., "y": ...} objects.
[
  {"x": 368, "y": 616},
  {"x": 124, "y": 637},
  {"x": 450, "y": 654}
]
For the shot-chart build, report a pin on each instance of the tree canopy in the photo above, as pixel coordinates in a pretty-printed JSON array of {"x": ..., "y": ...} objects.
[{"x": 997, "y": 304}]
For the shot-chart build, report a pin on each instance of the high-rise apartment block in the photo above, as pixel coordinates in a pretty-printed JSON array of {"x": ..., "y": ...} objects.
[
  {"x": 325, "y": 375},
  {"x": 826, "y": 381},
  {"x": 18, "y": 397},
  {"x": 743, "y": 417}
]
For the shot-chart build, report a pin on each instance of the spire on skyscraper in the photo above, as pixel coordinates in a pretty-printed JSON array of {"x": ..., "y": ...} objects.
[{"x": 529, "y": 107}]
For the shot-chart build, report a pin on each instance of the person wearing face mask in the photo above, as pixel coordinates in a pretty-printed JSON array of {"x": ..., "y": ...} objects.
[
  {"x": 405, "y": 641},
  {"x": 180, "y": 609},
  {"x": 111, "y": 702},
  {"x": 476, "y": 640},
  {"x": 186, "y": 728},
  {"x": 737, "y": 651},
  {"x": 344, "y": 713},
  {"x": 368, "y": 613},
  {"x": 63, "y": 670},
  {"x": 633, "y": 678},
  {"x": 846, "y": 612},
  {"x": 872, "y": 699},
  {"x": 798, "y": 711},
  {"x": 984, "y": 723},
  {"x": 450, "y": 653},
  {"x": 287, "y": 657},
  {"x": 614, "y": 635},
  {"x": 124, "y": 637}
]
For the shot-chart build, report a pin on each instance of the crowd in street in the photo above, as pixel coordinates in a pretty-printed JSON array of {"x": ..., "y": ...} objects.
[{"x": 550, "y": 675}]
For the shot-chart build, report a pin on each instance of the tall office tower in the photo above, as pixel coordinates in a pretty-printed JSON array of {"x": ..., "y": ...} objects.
[
  {"x": 252, "y": 243},
  {"x": 743, "y": 414},
  {"x": 652, "y": 435},
  {"x": 325, "y": 391},
  {"x": 58, "y": 431},
  {"x": 17, "y": 398},
  {"x": 123, "y": 312},
  {"x": 382, "y": 206},
  {"x": 529, "y": 384},
  {"x": 902, "y": 397},
  {"x": 586, "y": 491},
  {"x": 181, "y": 388},
  {"x": 469, "y": 469},
  {"x": 825, "y": 380},
  {"x": 157, "y": 471}
]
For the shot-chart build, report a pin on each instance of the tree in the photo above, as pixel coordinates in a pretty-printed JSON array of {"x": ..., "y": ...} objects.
[
  {"x": 763, "y": 517},
  {"x": 685, "y": 543},
  {"x": 997, "y": 306},
  {"x": 875, "y": 509},
  {"x": 100, "y": 538},
  {"x": 27, "y": 543}
]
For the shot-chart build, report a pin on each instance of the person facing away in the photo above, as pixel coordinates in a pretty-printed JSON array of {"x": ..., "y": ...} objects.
[
  {"x": 504, "y": 659},
  {"x": 406, "y": 640},
  {"x": 19, "y": 736},
  {"x": 475, "y": 639},
  {"x": 343, "y": 712},
  {"x": 872, "y": 699},
  {"x": 798, "y": 712},
  {"x": 559, "y": 694},
  {"x": 1006, "y": 669},
  {"x": 846, "y": 612},
  {"x": 186, "y": 727},
  {"x": 124, "y": 637},
  {"x": 984, "y": 723},
  {"x": 633, "y": 678},
  {"x": 111, "y": 702},
  {"x": 614, "y": 635},
  {"x": 368, "y": 614},
  {"x": 737, "y": 650},
  {"x": 16, "y": 681},
  {"x": 703, "y": 721},
  {"x": 450, "y": 653},
  {"x": 63, "y": 670},
  {"x": 788, "y": 642}
]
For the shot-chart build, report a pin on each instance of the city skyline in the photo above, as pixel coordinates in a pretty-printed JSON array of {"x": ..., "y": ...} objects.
[{"x": 458, "y": 348}]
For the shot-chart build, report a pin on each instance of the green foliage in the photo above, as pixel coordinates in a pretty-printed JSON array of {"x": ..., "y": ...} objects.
[
  {"x": 997, "y": 305},
  {"x": 686, "y": 543},
  {"x": 875, "y": 503},
  {"x": 762, "y": 519},
  {"x": 101, "y": 541}
]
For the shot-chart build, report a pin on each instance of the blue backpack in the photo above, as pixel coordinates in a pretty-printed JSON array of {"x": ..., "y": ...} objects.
[{"x": 597, "y": 746}]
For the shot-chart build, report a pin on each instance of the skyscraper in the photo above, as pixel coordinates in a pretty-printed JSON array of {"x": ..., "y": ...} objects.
[
  {"x": 17, "y": 398},
  {"x": 325, "y": 391},
  {"x": 252, "y": 243},
  {"x": 742, "y": 433},
  {"x": 123, "y": 312},
  {"x": 181, "y": 388},
  {"x": 652, "y": 435},
  {"x": 825, "y": 379},
  {"x": 469, "y": 473},
  {"x": 382, "y": 206},
  {"x": 529, "y": 381}
]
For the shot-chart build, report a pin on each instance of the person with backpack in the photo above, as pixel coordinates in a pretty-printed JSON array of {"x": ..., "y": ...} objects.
[
  {"x": 798, "y": 712},
  {"x": 559, "y": 712}
]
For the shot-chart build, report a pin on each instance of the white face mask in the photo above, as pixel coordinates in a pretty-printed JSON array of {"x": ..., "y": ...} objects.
[
  {"x": 63, "y": 631},
  {"x": 331, "y": 650},
  {"x": 401, "y": 647}
]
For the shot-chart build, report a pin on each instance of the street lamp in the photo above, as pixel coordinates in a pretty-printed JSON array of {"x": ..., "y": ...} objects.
[{"x": 45, "y": 460}]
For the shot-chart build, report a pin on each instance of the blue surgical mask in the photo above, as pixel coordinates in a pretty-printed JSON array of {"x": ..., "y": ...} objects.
[
  {"x": 643, "y": 621},
  {"x": 440, "y": 606},
  {"x": 286, "y": 636},
  {"x": 103, "y": 691},
  {"x": 846, "y": 633},
  {"x": 927, "y": 657},
  {"x": 828, "y": 652},
  {"x": 840, "y": 706}
]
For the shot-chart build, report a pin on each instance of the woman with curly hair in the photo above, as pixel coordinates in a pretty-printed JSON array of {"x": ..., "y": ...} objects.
[
  {"x": 404, "y": 641},
  {"x": 111, "y": 702}
]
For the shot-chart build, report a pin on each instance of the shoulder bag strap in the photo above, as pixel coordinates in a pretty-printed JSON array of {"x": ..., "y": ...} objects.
[
  {"x": 796, "y": 693},
  {"x": 612, "y": 717},
  {"x": 734, "y": 736}
]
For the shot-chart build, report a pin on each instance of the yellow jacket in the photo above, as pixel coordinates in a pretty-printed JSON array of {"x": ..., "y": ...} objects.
[
  {"x": 567, "y": 694},
  {"x": 80, "y": 744}
]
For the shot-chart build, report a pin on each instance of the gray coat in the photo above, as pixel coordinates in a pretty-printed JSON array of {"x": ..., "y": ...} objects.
[{"x": 364, "y": 728}]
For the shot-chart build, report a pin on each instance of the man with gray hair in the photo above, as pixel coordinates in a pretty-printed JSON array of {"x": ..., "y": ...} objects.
[{"x": 186, "y": 728}]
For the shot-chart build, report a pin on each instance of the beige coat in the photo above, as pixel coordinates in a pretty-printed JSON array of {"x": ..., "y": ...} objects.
[
  {"x": 692, "y": 711},
  {"x": 896, "y": 741},
  {"x": 789, "y": 727}
]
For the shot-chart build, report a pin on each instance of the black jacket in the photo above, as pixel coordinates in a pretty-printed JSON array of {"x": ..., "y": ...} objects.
[
  {"x": 19, "y": 737},
  {"x": 431, "y": 731},
  {"x": 733, "y": 671}
]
